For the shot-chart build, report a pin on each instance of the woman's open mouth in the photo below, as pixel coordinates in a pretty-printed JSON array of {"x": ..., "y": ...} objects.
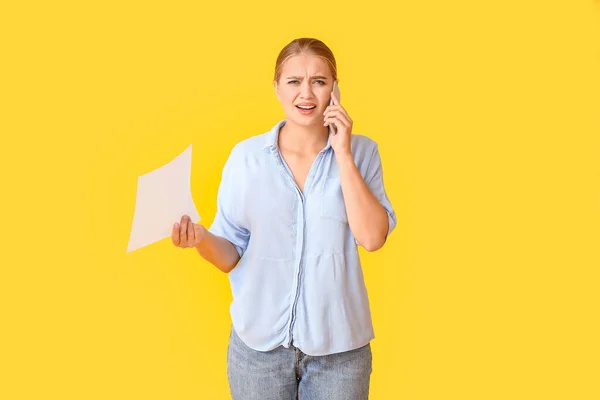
[{"x": 305, "y": 110}]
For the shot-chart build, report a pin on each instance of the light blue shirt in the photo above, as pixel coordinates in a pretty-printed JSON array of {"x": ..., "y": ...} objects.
[{"x": 299, "y": 280}]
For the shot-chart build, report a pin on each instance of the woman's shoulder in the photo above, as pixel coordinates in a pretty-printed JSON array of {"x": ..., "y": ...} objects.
[
  {"x": 250, "y": 147},
  {"x": 363, "y": 146}
]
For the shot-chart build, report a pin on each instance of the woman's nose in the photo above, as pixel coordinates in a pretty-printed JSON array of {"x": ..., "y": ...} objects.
[{"x": 306, "y": 90}]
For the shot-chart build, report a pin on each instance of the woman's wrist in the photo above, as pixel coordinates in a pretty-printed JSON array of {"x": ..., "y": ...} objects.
[{"x": 345, "y": 159}]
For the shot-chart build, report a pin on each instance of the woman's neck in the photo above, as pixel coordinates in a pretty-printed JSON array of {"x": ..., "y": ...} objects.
[{"x": 303, "y": 139}]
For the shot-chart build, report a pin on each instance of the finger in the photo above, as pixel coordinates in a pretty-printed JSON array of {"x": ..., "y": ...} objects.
[
  {"x": 332, "y": 126},
  {"x": 328, "y": 118},
  {"x": 190, "y": 233},
  {"x": 339, "y": 108},
  {"x": 345, "y": 113},
  {"x": 338, "y": 121},
  {"x": 183, "y": 230},
  {"x": 331, "y": 108},
  {"x": 341, "y": 113},
  {"x": 175, "y": 234}
]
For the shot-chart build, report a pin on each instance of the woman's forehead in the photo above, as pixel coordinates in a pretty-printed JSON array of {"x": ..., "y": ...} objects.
[{"x": 305, "y": 65}]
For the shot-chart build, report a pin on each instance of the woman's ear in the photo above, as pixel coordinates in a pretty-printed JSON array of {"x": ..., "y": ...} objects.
[{"x": 276, "y": 86}]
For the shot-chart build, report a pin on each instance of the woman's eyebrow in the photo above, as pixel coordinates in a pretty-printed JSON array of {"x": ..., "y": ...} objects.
[{"x": 312, "y": 77}]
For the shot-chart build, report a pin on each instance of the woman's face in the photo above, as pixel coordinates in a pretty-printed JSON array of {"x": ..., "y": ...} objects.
[{"x": 305, "y": 80}]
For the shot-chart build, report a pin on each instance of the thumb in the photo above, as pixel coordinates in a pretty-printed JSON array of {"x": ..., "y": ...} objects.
[{"x": 198, "y": 233}]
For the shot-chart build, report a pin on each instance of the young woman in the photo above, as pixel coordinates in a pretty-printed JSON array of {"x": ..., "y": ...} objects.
[{"x": 293, "y": 205}]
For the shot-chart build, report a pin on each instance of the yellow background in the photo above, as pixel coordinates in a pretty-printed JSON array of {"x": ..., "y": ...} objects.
[{"x": 488, "y": 119}]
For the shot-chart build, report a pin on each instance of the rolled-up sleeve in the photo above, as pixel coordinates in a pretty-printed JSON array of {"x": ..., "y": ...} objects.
[
  {"x": 374, "y": 180},
  {"x": 229, "y": 219}
]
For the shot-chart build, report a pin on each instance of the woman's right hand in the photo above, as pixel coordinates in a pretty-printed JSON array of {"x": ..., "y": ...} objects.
[{"x": 186, "y": 233}]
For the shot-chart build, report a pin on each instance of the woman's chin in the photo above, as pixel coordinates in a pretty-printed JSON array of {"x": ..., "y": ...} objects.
[{"x": 304, "y": 121}]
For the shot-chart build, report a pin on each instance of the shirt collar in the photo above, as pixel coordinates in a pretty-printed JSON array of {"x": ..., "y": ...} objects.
[{"x": 272, "y": 137}]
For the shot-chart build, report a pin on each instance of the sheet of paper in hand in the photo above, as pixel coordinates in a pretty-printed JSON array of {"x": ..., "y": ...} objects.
[{"x": 163, "y": 197}]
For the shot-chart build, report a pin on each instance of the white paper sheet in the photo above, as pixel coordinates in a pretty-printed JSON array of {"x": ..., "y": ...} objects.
[{"x": 163, "y": 197}]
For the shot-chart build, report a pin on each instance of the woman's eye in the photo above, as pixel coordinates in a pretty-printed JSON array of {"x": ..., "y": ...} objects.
[
  {"x": 320, "y": 82},
  {"x": 292, "y": 81}
]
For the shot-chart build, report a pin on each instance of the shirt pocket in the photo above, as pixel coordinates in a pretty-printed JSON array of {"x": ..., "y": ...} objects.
[{"x": 332, "y": 200}]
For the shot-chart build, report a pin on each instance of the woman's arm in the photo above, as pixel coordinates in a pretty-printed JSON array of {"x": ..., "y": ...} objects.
[
  {"x": 367, "y": 218},
  {"x": 218, "y": 251},
  {"x": 369, "y": 221}
]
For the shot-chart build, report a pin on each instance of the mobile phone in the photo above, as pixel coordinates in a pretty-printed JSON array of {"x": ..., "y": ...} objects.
[{"x": 336, "y": 91}]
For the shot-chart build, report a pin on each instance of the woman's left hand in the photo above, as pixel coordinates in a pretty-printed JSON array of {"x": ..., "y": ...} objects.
[{"x": 341, "y": 138}]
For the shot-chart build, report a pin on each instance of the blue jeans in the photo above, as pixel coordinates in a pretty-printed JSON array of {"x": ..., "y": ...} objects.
[{"x": 289, "y": 374}]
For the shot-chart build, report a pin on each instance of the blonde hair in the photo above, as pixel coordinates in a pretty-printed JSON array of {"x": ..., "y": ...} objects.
[{"x": 308, "y": 46}]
